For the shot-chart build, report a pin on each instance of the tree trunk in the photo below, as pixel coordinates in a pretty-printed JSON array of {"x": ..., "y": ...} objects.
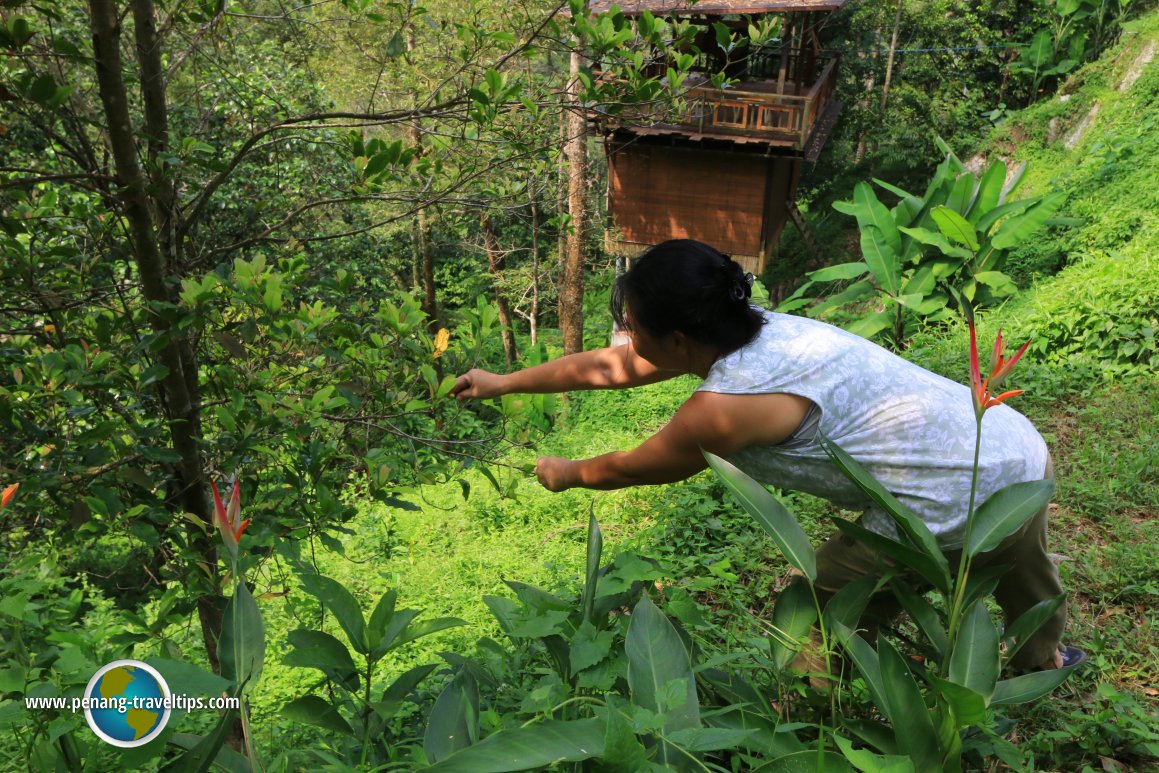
[
  {"x": 424, "y": 252},
  {"x": 495, "y": 260},
  {"x": 892, "y": 50},
  {"x": 571, "y": 290},
  {"x": 870, "y": 80},
  {"x": 533, "y": 315},
  {"x": 180, "y": 404}
]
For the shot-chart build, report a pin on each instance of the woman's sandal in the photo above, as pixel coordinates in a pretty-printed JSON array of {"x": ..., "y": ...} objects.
[{"x": 1071, "y": 656}]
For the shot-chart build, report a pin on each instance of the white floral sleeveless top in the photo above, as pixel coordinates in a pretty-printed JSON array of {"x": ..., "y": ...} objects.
[{"x": 912, "y": 429}]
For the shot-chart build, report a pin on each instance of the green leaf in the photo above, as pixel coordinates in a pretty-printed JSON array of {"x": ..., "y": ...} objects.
[
  {"x": 902, "y": 194},
  {"x": 922, "y": 281},
  {"x": 226, "y": 758},
  {"x": 811, "y": 761},
  {"x": 923, "y": 614},
  {"x": 868, "y": 762},
  {"x": 708, "y": 739},
  {"x": 152, "y": 375},
  {"x": 934, "y": 239},
  {"x": 867, "y": 662},
  {"x": 968, "y": 706},
  {"x": 494, "y": 80},
  {"x": 312, "y": 710},
  {"x": 505, "y": 610},
  {"x": 774, "y": 517},
  {"x": 398, "y": 625},
  {"x": 660, "y": 674},
  {"x": 317, "y": 649},
  {"x": 873, "y": 213},
  {"x": 1040, "y": 51},
  {"x": 418, "y": 631},
  {"x": 998, "y": 282},
  {"x": 592, "y": 567},
  {"x": 961, "y": 193},
  {"x": 974, "y": 663},
  {"x": 683, "y": 607},
  {"x": 623, "y": 752},
  {"x": 43, "y": 89},
  {"x": 201, "y": 754},
  {"x": 532, "y": 747},
  {"x": 872, "y": 324},
  {"x": 1028, "y": 623},
  {"x": 883, "y": 262},
  {"x": 858, "y": 291},
  {"x": 395, "y": 46},
  {"x": 911, "y": 526},
  {"x": 841, "y": 271},
  {"x": 1028, "y": 687},
  {"x": 1005, "y": 512},
  {"x": 913, "y": 301},
  {"x": 764, "y": 737},
  {"x": 989, "y": 191},
  {"x": 589, "y": 646},
  {"x": 189, "y": 679},
  {"x": 907, "y": 709},
  {"x": 982, "y": 581},
  {"x": 875, "y": 733},
  {"x": 380, "y": 618},
  {"x": 453, "y": 723},
  {"x": 399, "y": 689},
  {"x": 848, "y": 604},
  {"x": 793, "y": 616},
  {"x": 537, "y": 598},
  {"x": 340, "y": 602},
  {"x": 242, "y": 645},
  {"x": 955, "y": 227},
  {"x": 1016, "y": 230},
  {"x": 987, "y": 221}
]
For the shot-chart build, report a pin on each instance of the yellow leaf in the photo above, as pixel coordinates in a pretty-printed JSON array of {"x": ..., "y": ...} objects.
[{"x": 442, "y": 338}]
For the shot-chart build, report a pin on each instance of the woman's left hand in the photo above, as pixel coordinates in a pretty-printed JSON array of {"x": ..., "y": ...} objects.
[{"x": 553, "y": 472}]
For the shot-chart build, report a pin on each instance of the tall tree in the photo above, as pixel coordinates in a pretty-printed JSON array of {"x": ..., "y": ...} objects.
[
  {"x": 495, "y": 261},
  {"x": 571, "y": 286}
]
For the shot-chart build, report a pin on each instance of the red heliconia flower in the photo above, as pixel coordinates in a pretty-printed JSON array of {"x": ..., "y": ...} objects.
[
  {"x": 9, "y": 492},
  {"x": 1000, "y": 368},
  {"x": 228, "y": 520}
]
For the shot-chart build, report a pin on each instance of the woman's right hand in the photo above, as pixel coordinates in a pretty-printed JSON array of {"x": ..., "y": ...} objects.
[{"x": 477, "y": 384}]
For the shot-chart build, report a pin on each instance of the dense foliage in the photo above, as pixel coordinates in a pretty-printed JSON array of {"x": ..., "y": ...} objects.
[{"x": 234, "y": 288}]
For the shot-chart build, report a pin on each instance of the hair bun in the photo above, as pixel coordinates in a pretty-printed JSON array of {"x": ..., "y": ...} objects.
[{"x": 739, "y": 283}]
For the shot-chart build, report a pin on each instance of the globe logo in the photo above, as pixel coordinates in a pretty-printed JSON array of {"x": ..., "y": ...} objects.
[{"x": 127, "y": 703}]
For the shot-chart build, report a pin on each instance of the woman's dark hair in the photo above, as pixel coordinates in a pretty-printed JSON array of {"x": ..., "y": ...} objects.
[{"x": 685, "y": 285}]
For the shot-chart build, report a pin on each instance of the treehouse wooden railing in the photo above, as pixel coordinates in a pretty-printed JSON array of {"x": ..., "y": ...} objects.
[{"x": 772, "y": 110}]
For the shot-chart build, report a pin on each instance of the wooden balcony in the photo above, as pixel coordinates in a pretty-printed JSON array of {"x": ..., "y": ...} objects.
[{"x": 775, "y": 111}]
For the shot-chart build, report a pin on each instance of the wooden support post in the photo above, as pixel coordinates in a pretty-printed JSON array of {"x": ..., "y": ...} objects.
[{"x": 786, "y": 48}]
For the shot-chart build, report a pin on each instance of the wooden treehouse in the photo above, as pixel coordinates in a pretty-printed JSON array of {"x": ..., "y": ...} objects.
[{"x": 724, "y": 167}]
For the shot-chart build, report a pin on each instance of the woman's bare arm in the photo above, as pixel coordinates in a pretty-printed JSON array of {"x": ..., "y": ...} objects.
[
  {"x": 615, "y": 367},
  {"x": 719, "y": 423}
]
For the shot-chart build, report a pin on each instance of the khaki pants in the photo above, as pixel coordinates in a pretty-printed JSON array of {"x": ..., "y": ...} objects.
[{"x": 1032, "y": 578}]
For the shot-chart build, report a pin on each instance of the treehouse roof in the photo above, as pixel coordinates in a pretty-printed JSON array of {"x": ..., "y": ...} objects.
[{"x": 713, "y": 7}]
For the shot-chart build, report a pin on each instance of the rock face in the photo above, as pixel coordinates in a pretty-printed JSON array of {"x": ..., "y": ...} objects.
[
  {"x": 1136, "y": 68},
  {"x": 1075, "y": 136}
]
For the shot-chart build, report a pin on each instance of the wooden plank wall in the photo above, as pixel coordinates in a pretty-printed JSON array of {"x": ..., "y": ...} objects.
[{"x": 657, "y": 193}]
